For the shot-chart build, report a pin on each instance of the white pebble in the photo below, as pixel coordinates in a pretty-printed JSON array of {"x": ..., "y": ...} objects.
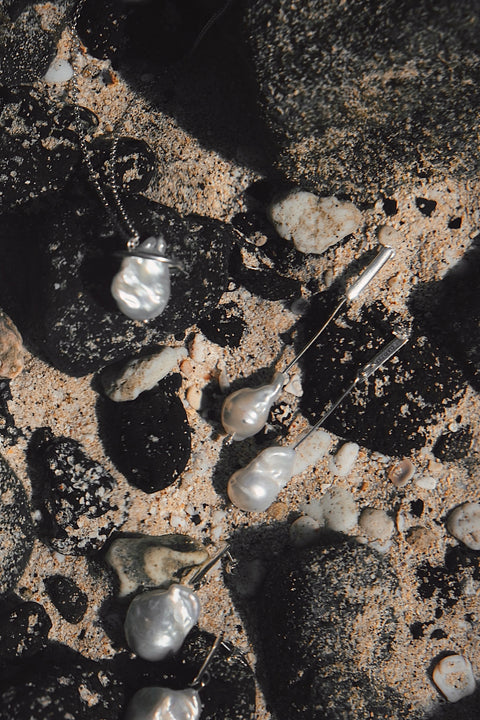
[
  {"x": 376, "y": 524},
  {"x": 294, "y": 386},
  {"x": 464, "y": 524},
  {"x": 313, "y": 223},
  {"x": 426, "y": 482},
  {"x": 453, "y": 676},
  {"x": 304, "y": 531},
  {"x": 311, "y": 451},
  {"x": 401, "y": 473},
  {"x": 344, "y": 459},
  {"x": 194, "y": 397},
  {"x": 141, "y": 374},
  {"x": 387, "y": 235},
  {"x": 60, "y": 71},
  {"x": 336, "y": 510}
]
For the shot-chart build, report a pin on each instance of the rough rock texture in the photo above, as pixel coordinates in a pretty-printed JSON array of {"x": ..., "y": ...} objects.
[
  {"x": 59, "y": 265},
  {"x": 11, "y": 349},
  {"x": 148, "y": 439},
  {"x": 75, "y": 492},
  {"x": 16, "y": 531},
  {"x": 313, "y": 666},
  {"x": 23, "y": 631},
  {"x": 356, "y": 96}
]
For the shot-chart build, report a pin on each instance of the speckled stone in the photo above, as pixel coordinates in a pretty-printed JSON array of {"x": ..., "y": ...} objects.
[
  {"x": 23, "y": 631},
  {"x": 152, "y": 562},
  {"x": 11, "y": 349},
  {"x": 70, "y": 601},
  {"x": 311, "y": 606},
  {"x": 78, "y": 492},
  {"x": 148, "y": 439},
  {"x": 16, "y": 530}
]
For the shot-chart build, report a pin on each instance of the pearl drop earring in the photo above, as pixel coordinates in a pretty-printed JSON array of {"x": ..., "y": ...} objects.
[
  {"x": 255, "y": 487},
  {"x": 158, "y": 621},
  {"x": 160, "y": 703},
  {"x": 245, "y": 411}
]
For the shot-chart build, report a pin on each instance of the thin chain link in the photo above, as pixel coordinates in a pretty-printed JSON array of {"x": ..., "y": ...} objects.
[{"x": 133, "y": 234}]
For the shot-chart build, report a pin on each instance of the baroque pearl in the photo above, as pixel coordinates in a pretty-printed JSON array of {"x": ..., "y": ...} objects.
[
  {"x": 245, "y": 411},
  {"x": 141, "y": 287},
  {"x": 255, "y": 487},
  {"x": 157, "y": 703},
  {"x": 158, "y": 621}
]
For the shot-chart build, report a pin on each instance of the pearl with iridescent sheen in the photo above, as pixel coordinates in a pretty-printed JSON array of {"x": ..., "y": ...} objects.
[
  {"x": 158, "y": 621},
  {"x": 141, "y": 287},
  {"x": 157, "y": 703},
  {"x": 245, "y": 411},
  {"x": 256, "y": 486}
]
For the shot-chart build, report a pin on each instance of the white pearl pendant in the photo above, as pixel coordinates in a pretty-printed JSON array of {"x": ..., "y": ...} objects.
[
  {"x": 158, "y": 621},
  {"x": 157, "y": 703},
  {"x": 141, "y": 287},
  {"x": 255, "y": 487},
  {"x": 245, "y": 411}
]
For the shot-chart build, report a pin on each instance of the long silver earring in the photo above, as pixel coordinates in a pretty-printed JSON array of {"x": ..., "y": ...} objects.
[
  {"x": 161, "y": 703},
  {"x": 158, "y": 621},
  {"x": 255, "y": 487},
  {"x": 245, "y": 411},
  {"x": 141, "y": 288}
]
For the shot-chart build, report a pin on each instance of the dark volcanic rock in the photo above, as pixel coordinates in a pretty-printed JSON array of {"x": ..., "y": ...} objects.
[
  {"x": 70, "y": 601},
  {"x": 223, "y": 326},
  {"x": 410, "y": 392},
  {"x": 361, "y": 95},
  {"x": 16, "y": 531},
  {"x": 316, "y": 609},
  {"x": 62, "y": 684},
  {"x": 264, "y": 282},
  {"x": 38, "y": 147},
  {"x": 23, "y": 631},
  {"x": 77, "y": 493},
  {"x": 148, "y": 439},
  {"x": 8, "y": 430},
  {"x": 58, "y": 264},
  {"x": 28, "y": 38}
]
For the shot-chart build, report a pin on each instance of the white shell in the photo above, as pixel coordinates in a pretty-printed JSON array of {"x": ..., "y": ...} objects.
[
  {"x": 141, "y": 287},
  {"x": 245, "y": 411},
  {"x": 158, "y": 621},
  {"x": 453, "y": 676},
  {"x": 255, "y": 487},
  {"x": 464, "y": 524},
  {"x": 156, "y": 703}
]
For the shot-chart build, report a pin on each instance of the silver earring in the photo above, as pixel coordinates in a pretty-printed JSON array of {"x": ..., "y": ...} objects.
[
  {"x": 158, "y": 621},
  {"x": 160, "y": 703},
  {"x": 245, "y": 411},
  {"x": 255, "y": 487}
]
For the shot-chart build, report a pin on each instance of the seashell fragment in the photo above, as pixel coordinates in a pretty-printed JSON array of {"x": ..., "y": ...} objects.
[
  {"x": 453, "y": 676},
  {"x": 464, "y": 524},
  {"x": 401, "y": 473}
]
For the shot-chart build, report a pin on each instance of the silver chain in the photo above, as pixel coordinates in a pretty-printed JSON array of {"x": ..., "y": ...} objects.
[{"x": 132, "y": 234}]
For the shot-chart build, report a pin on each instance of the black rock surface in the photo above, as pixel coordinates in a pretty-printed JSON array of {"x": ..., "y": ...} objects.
[
  {"x": 311, "y": 608},
  {"x": 76, "y": 493},
  {"x": 58, "y": 264},
  {"x": 23, "y": 631},
  {"x": 61, "y": 684},
  {"x": 224, "y": 326},
  {"x": 390, "y": 414},
  {"x": 16, "y": 529},
  {"x": 360, "y": 95},
  {"x": 148, "y": 438},
  {"x": 8, "y": 430},
  {"x": 70, "y": 601}
]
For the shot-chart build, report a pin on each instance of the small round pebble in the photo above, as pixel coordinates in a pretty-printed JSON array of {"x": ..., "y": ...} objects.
[
  {"x": 376, "y": 524},
  {"x": 464, "y": 524},
  {"x": 11, "y": 349},
  {"x": 60, "y": 71},
  {"x": 311, "y": 451},
  {"x": 453, "y": 676},
  {"x": 336, "y": 510},
  {"x": 344, "y": 459}
]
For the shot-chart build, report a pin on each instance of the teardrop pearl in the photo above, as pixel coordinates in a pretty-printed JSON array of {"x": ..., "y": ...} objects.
[
  {"x": 255, "y": 487},
  {"x": 245, "y": 411},
  {"x": 156, "y": 703},
  {"x": 141, "y": 287},
  {"x": 158, "y": 621}
]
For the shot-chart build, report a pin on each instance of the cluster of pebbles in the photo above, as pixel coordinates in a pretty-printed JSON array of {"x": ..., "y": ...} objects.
[{"x": 356, "y": 593}]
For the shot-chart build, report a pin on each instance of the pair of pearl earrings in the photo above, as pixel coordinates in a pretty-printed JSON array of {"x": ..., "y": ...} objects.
[{"x": 162, "y": 703}]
